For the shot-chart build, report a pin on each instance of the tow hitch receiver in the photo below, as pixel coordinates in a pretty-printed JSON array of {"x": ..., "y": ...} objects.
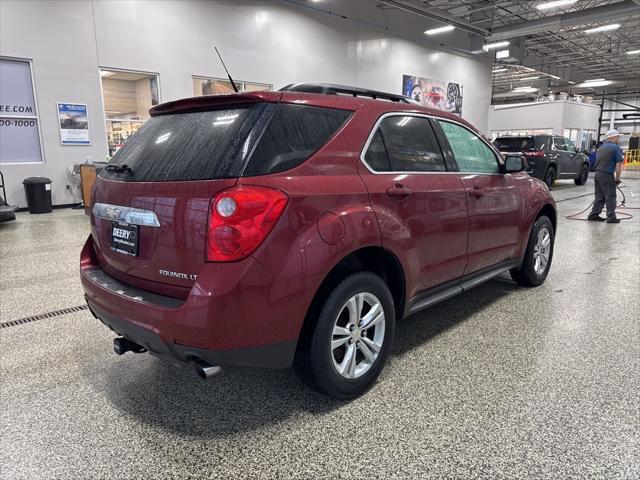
[{"x": 121, "y": 345}]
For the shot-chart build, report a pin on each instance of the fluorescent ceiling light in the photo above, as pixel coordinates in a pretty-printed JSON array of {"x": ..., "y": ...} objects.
[
  {"x": 434, "y": 31},
  {"x": 489, "y": 46},
  {"x": 496, "y": 70},
  {"x": 603, "y": 28},
  {"x": 594, "y": 80},
  {"x": 528, "y": 89},
  {"x": 529, "y": 78},
  {"x": 602, "y": 83},
  {"x": 633, "y": 52},
  {"x": 555, "y": 4},
  {"x": 553, "y": 76}
]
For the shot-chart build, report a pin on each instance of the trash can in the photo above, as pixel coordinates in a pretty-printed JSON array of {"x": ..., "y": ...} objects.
[{"x": 38, "y": 191}]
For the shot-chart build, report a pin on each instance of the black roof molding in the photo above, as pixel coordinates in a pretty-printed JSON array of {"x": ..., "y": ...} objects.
[{"x": 332, "y": 89}]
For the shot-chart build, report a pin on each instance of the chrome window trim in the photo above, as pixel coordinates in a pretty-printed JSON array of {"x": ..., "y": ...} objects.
[
  {"x": 133, "y": 216},
  {"x": 420, "y": 115}
]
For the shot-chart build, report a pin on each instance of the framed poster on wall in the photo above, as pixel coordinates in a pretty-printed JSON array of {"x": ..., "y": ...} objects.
[
  {"x": 436, "y": 94},
  {"x": 73, "y": 121}
]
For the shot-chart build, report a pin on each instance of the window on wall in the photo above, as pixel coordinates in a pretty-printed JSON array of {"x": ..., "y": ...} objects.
[
  {"x": 19, "y": 125},
  {"x": 216, "y": 86},
  {"x": 127, "y": 98},
  {"x": 582, "y": 138}
]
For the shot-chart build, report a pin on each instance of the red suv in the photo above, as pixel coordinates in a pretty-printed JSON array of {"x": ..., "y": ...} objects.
[{"x": 288, "y": 228}]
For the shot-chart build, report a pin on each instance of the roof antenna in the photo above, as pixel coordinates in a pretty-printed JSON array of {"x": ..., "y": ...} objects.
[{"x": 233, "y": 84}]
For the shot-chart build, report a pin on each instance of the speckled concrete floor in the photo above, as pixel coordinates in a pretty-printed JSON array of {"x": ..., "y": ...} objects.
[{"x": 503, "y": 382}]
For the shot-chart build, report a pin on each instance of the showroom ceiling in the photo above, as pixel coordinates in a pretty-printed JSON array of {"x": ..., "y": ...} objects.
[{"x": 549, "y": 48}]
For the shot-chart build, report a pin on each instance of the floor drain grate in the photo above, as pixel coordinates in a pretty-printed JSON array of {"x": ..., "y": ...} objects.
[{"x": 42, "y": 316}]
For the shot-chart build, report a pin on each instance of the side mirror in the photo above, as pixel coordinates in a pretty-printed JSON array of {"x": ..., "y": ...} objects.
[{"x": 514, "y": 163}]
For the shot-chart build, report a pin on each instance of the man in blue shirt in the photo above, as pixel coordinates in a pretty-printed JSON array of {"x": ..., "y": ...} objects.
[{"x": 608, "y": 167}]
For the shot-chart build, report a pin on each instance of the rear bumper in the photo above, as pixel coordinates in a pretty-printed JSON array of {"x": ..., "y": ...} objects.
[
  {"x": 278, "y": 355},
  {"x": 236, "y": 314},
  {"x": 539, "y": 169}
]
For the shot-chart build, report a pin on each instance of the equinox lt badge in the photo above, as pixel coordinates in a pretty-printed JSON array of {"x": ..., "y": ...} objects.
[{"x": 180, "y": 275}]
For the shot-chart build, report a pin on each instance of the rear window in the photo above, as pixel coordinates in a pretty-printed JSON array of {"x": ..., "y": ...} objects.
[
  {"x": 293, "y": 135},
  {"x": 515, "y": 143},
  {"x": 186, "y": 146}
]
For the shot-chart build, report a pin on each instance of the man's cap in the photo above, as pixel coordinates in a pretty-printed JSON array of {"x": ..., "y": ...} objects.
[{"x": 612, "y": 133}]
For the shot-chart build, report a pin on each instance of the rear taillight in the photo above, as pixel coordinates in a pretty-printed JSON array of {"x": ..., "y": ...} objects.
[
  {"x": 537, "y": 153},
  {"x": 240, "y": 218}
]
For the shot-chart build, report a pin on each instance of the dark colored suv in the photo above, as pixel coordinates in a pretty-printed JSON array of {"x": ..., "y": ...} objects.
[
  {"x": 549, "y": 157},
  {"x": 287, "y": 228}
]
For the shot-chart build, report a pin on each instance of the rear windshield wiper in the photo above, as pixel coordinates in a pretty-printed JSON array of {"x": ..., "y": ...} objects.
[{"x": 124, "y": 168}]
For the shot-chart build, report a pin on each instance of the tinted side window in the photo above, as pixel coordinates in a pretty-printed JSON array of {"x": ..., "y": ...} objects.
[
  {"x": 293, "y": 135},
  {"x": 514, "y": 143},
  {"x": 411, "y": 144},
  {"x": 376, "y": 156},
  {"x": 558, "y": 143},
  {"x": 471, "y": 153},
  {"x": 542, "y": 143}
]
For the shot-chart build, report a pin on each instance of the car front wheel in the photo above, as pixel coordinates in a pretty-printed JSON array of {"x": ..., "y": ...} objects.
[
  {"x": 584, "y": 175},
  {"x": 537, "y": 258},
  {"x": 550, "y": 177},
  {"x": 345, "y": 351}
]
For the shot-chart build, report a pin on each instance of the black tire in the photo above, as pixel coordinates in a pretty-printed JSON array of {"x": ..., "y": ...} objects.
[
  {"x": 314, "y": 360},
  {"x": 550, "y": 177},
  {"x": 527, "y": 274},
  {"x": 584, "y": 175}
]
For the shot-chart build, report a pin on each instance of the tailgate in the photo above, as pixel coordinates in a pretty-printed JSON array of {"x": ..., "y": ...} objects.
[
  {"x": 172, "y": 252},
  {"x": 151, "y": 203}
]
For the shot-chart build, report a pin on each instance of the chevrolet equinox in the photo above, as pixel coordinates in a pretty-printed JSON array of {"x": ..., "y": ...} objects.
[{"x": 273, "y": 229}]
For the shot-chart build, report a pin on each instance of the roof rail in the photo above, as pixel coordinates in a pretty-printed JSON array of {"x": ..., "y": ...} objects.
[{"x": 332, "y": 89}]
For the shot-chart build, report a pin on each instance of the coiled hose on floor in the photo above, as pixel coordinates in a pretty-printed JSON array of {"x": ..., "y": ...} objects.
[{"x": 621, "y": 206}]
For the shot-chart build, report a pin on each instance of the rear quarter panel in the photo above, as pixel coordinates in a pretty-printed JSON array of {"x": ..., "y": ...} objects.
[{"x": 328, "y": 215}]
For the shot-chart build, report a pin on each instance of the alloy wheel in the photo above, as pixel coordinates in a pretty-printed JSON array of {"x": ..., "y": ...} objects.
[
  {"x": 584, "y": 175},
  {"x": 542, "y": 251},
  {"x": 358, "y": 334},
  {"x": 550, "y": 178}
]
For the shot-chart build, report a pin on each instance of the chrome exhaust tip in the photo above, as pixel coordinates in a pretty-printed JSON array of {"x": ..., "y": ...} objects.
[{"x": 206, "y": 370}]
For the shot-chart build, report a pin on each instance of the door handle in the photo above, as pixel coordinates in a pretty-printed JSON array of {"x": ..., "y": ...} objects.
[
  {"x": 399, "y": 191},
  {"x": 476, "y": 191}
]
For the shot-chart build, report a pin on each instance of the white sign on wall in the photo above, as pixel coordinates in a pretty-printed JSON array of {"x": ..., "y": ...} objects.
[{"x": 19, "y": 135}]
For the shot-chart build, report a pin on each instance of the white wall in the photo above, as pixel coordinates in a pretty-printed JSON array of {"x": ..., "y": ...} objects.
[
  {"x": 270, "y": 41},
  {"x": 58, "y": 37},
  {"x": 554, "y": 115}
]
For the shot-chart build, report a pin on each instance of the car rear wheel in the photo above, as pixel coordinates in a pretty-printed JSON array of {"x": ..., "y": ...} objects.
[
  {"x": 584, "y": 175},
  {"x": 345, "y": 351},
  {"x": 550, "y": 177},
  {"x": 537, "y": 258}
]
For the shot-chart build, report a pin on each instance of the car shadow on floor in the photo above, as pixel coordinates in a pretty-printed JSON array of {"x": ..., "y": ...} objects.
[{"x": 170, "y": 397}]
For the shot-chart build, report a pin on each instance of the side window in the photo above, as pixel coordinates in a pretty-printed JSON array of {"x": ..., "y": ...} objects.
[
  {"x": 471, "y": 153},
  {"x": 411, "y": 144},
  {"x": 376, "y": 156},
  {"x": 558, "y": 143},
  {"x": 293, "y": 135},
  {"x": 571, "y": 147},
  {"x": 542, "y": 143}
]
